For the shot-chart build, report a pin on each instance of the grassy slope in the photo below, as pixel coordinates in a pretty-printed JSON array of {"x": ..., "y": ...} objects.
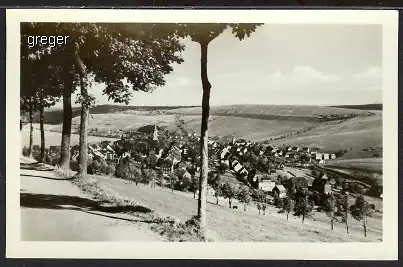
[
  {"x": 237, "y": 225},
  {"x": 283, "y": 110},
  {"x": 357, "y": 133},
  {"x": 248, "y": 128},
  {"x": 53, "y": 138}
]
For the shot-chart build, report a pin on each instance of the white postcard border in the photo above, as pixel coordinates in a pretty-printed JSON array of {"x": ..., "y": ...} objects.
[{"x": 386, "y": 250}]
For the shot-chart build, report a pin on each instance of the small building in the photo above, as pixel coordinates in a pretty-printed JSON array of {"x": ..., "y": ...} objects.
[
  {"x": 318, "y": 156},
  {"x": 326, "y": 156},
  {"x": 280, "y": 191},
  {"x": 266, "y": 185},
  {"x": 321, "y": 184},
  {"x": 332, "y": 156},
  {"x": 306, "y": 150},
  {"x": 167, "y": 167}
]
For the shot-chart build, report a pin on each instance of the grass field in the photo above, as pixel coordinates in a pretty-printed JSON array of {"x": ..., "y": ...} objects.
[
  {"x": 238, "y": 225},
  {"x": 358, "y": 133},
  {"x": 53, "y": 138},
  {"x": 283, "y": 110},
  {"x": 248, "y": 128},
  {"x": 366, "y": 164}
]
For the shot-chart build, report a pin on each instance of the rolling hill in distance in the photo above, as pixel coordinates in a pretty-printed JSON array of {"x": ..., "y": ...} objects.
[{"x": 251, "y": 122}]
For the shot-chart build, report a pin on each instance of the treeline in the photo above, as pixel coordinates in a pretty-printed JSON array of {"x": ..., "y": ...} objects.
[{"x": 361, "y": 107}]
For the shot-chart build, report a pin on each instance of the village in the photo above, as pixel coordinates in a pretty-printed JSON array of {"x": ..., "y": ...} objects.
[{"x": 268, "y": 173}]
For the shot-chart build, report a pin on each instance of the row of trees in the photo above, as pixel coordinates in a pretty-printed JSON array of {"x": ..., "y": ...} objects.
[
  {"x": 124, "y": 57},
  {"x": 336, "y": 207}
]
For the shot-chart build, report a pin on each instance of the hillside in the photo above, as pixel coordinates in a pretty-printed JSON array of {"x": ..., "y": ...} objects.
[
  {"x": 55, "y": 115},
  {"x": 273, "y": 112},
  {"x": 361, "y": 135},
  {"x": 278, "y": 112},
  {"x": 223, "y": 126},
  {"x": 357, "y": 134}
]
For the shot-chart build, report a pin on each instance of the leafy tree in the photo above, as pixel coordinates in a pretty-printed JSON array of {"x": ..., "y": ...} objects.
[
  {"x": 160, "y": 178},
  {"x": 218, "y": 192},
  {"x": 304, "y": 205},
  {"x": 261, "y": 198},
  {"x": 343, "y": 209},
  {"x": 173, "y": 179},
  {"x": 361, "y": 210},
  {"x": 289, "y": 204},
  {"x": 203, "y": 34},
  {"x": 125, "y": 57},
  {"x": 40, "y": 83},
  {"x": 331, "y": 209},
  {"x": 244, "y": 195},
  {"x": 229, "y": 192},
  {"x": 222, "y": 168},
  {"x": 150, "y": 176},
  {"x": 258, "y": 207},
  {"x": 264, "y": 206},
  {"x": 127, "y": 169},
  {"x": 101, "y": 167}
]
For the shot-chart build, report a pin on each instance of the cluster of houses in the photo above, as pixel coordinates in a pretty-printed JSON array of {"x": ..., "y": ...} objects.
[
  {"x": 175, "y": 156},
  {"x": 320, "y": 184}
]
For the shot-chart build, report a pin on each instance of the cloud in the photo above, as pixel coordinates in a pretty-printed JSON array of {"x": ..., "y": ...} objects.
[
  {"x": 372, "y": 73},
  {"x": 309, "y": 73},
  {"x": 300, "y": 75}
]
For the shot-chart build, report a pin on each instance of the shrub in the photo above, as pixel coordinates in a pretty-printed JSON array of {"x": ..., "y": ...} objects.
[
  {"x": 101, "y": 167},
  {"x": 149, "y": 176},
  {"x": 127, "y": 169}
]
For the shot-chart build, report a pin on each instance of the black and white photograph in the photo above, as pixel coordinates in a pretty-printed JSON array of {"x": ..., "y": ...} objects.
[{"x": 243, "y": 134}]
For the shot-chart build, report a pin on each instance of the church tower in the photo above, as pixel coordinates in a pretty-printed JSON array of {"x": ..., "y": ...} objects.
[{"x": 155, "y": 138}]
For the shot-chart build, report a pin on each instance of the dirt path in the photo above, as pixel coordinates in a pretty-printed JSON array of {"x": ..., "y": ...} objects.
[{"x": 55, "y": 210}]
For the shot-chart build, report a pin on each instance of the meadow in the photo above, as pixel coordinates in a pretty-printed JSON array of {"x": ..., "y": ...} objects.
[{"x": 237, "y": 225}]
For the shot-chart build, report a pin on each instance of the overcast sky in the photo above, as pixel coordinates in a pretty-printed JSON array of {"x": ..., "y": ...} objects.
[{"x": 279, "y": 64}]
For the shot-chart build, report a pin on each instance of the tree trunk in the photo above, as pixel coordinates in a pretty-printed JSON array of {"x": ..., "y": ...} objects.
[
  {"x": 202, "y": 203},
  {"x": 194, "y": 194},
  {"x": 83, "y": 144},
  {"x": 67, "y": 117},
  {"x": 331, "y": 222},
  {"x": 41, "y": 121},
  {"x": 287, "y": 216},
  {"x": 216, "y": 201},
  {"x": 303, "y": 218},
  {"x": 347, "y": 227},
  {"x": 229, "y": 201},
  {"x": 244, "y": 207},
  {"x": 365, "y": 228},
  {"x": 31, "y": 128}
]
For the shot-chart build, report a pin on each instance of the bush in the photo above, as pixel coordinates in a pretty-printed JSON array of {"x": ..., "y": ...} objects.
[
  {"x": 127, "y": 169},
  {"x": 101, "y": 167},
  {"x": 149, "y": 176}
]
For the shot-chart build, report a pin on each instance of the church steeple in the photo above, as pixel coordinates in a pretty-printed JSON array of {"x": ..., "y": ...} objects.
[{"x": 155, "y": 138}]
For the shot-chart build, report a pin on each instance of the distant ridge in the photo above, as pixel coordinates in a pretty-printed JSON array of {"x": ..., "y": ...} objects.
[
  {"x": 362, "y": 107},
  {"x": 55, "y": 115}
]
